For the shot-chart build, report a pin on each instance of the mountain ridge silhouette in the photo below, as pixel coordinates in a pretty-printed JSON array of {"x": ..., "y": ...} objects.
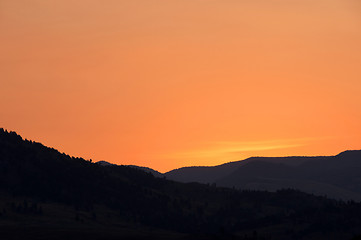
[
  {"x": 335, "y": 176},
  {"x": 45, "y": 194}
]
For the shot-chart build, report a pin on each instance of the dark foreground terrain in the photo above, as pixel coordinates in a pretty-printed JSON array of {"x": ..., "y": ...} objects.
[{"x": 45, "y": 194}]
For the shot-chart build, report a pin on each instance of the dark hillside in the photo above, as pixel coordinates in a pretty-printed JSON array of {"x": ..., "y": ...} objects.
[
  {"x": 203, "y": 174},
  {"x": 338, "y": 177},
  {"x": 44, "y": 193}
]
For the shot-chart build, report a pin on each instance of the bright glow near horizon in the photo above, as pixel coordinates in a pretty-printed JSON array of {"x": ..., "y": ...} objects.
[{"x": 172, "y": 83}]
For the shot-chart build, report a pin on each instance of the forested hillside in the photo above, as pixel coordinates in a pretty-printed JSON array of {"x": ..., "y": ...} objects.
[{"x": 47, "y": 193}]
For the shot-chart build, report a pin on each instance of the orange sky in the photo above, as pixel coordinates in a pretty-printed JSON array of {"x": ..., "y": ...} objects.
[{"x": 172, "y": 83}]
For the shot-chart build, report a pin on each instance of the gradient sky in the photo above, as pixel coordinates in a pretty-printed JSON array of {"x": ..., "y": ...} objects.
[{"x": 172, "y": 83}]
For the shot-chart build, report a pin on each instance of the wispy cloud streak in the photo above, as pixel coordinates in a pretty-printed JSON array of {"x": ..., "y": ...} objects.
[{"x": 228, "y": 148}]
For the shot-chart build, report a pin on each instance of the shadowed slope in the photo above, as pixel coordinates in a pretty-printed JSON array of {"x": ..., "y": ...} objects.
[
  {"x": 212, "y": 174},
  {"x": 48, "y": 194},
  {"x": 145, "y": 169},
  {"x": 335, "y": 176}
]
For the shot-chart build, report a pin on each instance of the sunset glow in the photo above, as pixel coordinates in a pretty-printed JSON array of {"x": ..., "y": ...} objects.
[{"x": 173, "y": 83}]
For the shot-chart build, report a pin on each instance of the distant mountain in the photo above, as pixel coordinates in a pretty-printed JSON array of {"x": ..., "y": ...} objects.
[
  {"x": 105, "y": 163},
  {"x": 145, "y": 169},
  {"x": 45, "y": 194},
  {"x": 212, "y": 174},
  {"x": 337, "y": 176}
]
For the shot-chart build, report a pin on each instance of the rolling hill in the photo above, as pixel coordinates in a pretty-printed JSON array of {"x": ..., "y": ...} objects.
[
  {"x": 337, "y": 176},
  {"x": 45, "y": 194}
]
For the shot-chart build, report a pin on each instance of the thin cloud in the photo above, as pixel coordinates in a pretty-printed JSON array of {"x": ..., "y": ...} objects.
[{"x": 225, "y": 148}]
